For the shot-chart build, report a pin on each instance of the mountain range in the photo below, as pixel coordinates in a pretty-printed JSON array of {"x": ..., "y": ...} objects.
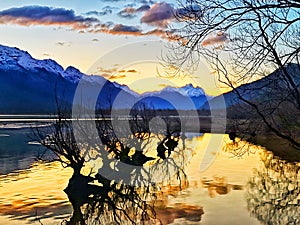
[
  {"x": 32, "y": 86},
  {"x": 268, "y": 94}
]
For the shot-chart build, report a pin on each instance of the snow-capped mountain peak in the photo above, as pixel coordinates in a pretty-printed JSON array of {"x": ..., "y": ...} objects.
[
  {"x": 191, "y": 91},
  {"x": 188, "y": 90},
  {"x": 44, "y": 81},
  {"x": 15, "y": 59},
  {"x": 72, "y": 74}
]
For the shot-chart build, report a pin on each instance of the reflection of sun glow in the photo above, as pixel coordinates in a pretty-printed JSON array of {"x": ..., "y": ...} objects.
[
  {"x": 224, "y": 165},
  {"x": 38, "y": 191},
  {"x": 35, "y": 191}
]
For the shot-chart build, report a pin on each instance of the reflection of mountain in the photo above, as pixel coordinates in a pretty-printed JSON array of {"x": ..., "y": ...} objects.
[
  {"x": 34, "y": 193},
  {"x": 274, "y": 191},
  {"x": 15, "y": 152},
  {"x": 34, "y": 86}
]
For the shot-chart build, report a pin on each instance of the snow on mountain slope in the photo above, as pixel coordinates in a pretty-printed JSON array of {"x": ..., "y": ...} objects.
[
  {"x": 188, "y": 90},
  {"x": 182, "y": 98},
  {"x": 16, "y": 59},
  {"x": 30, "y": 84}
]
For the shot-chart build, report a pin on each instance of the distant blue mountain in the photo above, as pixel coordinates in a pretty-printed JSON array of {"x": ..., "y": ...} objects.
[
  {"x": 31, "y": 86},
  {"x": 187, "y": 97},
  {"x": 267, "y": 93}
]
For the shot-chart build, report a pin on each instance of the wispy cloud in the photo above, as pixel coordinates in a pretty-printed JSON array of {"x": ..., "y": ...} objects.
[
  {"x": 160, "y": 14},
  {"x": 121, "y": 29},
  {"x": 61, "y": 43},
  {"x": 143, "y": 8},
  {"x": 188, "y": 13},
  {"x": 105, "y": 11},
  {"x": 114, "y": 76},
  {"x": 43, "y": 15},
  {"x": 219, "y": 38},
  {"x": 130, "y": 12},
  {"x": 107, "y": 71},
  {"x": 132, "y": 71},
  {"x": 125, "y": 30},
  {"x": 115, "y": 73}
]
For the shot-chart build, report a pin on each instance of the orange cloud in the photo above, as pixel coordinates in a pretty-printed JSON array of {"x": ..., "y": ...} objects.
[
  {"x": 47, "y": 16},
  {"x": 160, "y": 14},
  {"x": 43, "y": 15},
  {"x": 115, "y": 77},
  {"x": 218, "y": 39},
  {"x": 131, "y": 71}
]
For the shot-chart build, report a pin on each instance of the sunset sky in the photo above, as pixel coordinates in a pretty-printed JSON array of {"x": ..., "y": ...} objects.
[{"x": 121, "y": 40}]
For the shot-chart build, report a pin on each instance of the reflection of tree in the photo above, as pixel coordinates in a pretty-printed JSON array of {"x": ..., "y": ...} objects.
[
  {"x": 274, "y": 191},
  {"x": 238, "y": 147},
  {"x": 118, "y": 188}
]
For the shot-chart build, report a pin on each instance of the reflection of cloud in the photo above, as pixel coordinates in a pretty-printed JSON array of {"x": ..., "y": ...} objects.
[
  {"x": 219, "y": 185},
  {"x": 43, "y": 15},
  {"x": 168, "y": 214},
  {"x": 219, "y": 39},
  {"x": 25, "y": 197},
  {"x": 159, "y": 14},
  {"x": 21, "y": 209}
]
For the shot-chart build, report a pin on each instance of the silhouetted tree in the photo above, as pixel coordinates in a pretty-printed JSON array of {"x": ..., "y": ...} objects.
[
  {"x": 95, "y": 197},
  {"x": 245, "y": 40}
]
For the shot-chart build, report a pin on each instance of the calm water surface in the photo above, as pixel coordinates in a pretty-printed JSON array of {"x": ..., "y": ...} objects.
[{"x": 256, "y": 188}]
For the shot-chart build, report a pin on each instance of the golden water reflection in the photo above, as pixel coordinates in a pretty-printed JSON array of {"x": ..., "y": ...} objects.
[
  {"x": 35, "y": 193},
  {"x": 252, "y": 189}
]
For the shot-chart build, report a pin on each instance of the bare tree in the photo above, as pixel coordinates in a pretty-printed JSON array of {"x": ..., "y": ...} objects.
[
  {"x": 244, "y": 41},
  {"x": 94, "y": 197}
]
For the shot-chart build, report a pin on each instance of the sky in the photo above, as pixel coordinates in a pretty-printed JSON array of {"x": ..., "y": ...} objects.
[{"x": 124, "y": 41}]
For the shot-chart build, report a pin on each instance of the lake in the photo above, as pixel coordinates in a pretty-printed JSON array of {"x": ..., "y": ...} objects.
[{"x": 223, "y": 187}]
